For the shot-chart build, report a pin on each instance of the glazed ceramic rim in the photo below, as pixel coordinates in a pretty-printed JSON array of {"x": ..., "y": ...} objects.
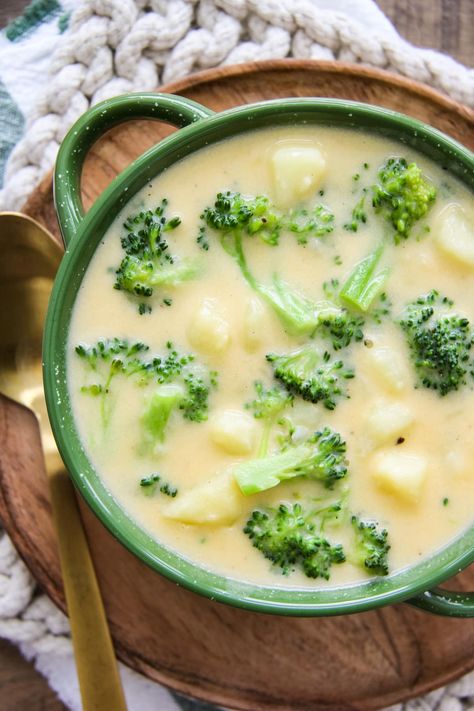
[{"x": 326, "y": 601}]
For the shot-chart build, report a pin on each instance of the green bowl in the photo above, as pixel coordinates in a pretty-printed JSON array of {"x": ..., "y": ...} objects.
[{"x": 82, "y": 234}]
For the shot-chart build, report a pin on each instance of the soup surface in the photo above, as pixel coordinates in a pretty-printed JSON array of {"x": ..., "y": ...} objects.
[{"x": 285, "y": 367}]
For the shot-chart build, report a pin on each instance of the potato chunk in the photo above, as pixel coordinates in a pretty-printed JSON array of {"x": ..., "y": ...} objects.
[
  {"x": 454, "y": 234},
  {"x": 208, "y": 332},
  {"x": 388, "y": 420},
  {"x": 217, "y": 501},
  {"x": 233, "y": 431},
  {"x": 399, "y": 474},
  {"x": 388, "y": 367},
  {"x": 297, "y": 170}
]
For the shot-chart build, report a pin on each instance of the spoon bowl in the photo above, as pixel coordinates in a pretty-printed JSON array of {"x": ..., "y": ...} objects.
[{"x": 30, "y": 259}]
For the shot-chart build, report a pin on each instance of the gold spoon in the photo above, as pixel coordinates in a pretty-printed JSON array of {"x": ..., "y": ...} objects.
[{"x": 29, "y": 258}]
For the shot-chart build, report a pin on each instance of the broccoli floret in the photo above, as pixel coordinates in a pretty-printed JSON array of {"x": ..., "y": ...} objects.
[
  {"x": 440, "y": 343},
  {"x": 248, "y": 215},
  {"x": 111, "y": 356},
  {"x": 340, "y": 327},
  {"x": 310, "y": 223},
  {"x": 371, "y": 546},
  {"x": 194, "y": 405},
  {"x": 287, "y": 537},
  {"x": 148, "y": 262},
  {"x": 359, "y": 214},
  {"x": 108, "y": 358},
  {"x": 403, "y": 195},
  {"x": 269, "y": 406},
  {"x": 178, "y": 372},
  {"x": 235, "y": 216},
  {"x": 257, "y": 215},
  {"x": 149, "y": 485},
  {"x": 312, "y": 375},
  {"x": 322, "y": 457},
  {"x": 157, "y": 414}
]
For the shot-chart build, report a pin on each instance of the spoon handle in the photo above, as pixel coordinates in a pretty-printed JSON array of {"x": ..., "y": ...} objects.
[{"x": 99, "y": 680}]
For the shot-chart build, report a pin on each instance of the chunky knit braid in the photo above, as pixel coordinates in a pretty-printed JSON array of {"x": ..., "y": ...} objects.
[{"x": 116, "y": 46}]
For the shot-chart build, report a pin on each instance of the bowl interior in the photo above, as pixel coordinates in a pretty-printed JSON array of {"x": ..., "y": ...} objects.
[{"x": 352, "y": 598}]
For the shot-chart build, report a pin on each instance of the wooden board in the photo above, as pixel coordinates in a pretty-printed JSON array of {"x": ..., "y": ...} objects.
[{"x": 213, "y": 652}]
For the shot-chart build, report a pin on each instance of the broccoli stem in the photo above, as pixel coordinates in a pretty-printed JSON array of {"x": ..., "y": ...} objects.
[
  {"x": 155, "y": 418},
  {"x": 264, "y": 473},
  {"x": 362, "y": 285},
  {"x": 265, "y": 440},
  {"x": 269, "y": 407},
  {"x": 298, "y": 315},
  {"x": 321, "y": 458},
  {"x": 242, "y": 261}
]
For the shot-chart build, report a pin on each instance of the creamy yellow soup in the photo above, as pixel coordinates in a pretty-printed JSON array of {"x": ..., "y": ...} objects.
[{"x": 409, "y": 449}]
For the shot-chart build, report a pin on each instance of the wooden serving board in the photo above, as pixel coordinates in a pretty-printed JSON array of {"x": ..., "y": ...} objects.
[{"x": 208, "y": 650}]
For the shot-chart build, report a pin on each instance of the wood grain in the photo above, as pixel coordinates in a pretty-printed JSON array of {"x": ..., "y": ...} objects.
[
  {"x": 446, "y": 25},
  {"x": 21, "y": 687},
  {"x": 223, "y": 655}
]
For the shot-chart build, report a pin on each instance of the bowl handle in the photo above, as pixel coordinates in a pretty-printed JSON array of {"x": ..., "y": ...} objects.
[
  {"x": 168, "y": 108},
  {"x": 445, "y": 602}
]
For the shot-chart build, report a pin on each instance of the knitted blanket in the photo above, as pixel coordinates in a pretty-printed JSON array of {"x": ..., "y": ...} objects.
[{"x": 62, "y": 56}]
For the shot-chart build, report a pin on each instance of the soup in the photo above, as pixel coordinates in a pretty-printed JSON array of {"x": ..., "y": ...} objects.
[{"x": 269, "y": 357}]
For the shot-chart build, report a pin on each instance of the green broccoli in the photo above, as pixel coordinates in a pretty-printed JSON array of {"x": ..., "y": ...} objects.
[
  {"x": 363, "y": 284},
  {"x": 235, "y": 217},
  {"x": 155, "y": 418},
  {"x": 371, "y": 546},
  {"x": 321, "y": 457},
  {"x": 359, "y": 214},
  {"x": 402, "y": 196},
  {"x": 148, "y": 263},
  {"x": 194, "y": 405},
  {"x": 440, "y": 343},
  {"x": 310, "y": 223},
  {"x": 311, "y": 374},
  {"x": 256, "y": 215},
  {"x": 299, "y": 315},
  {"x": 179, "y": 372},
  {"x": 287, "y": 536},
  {"x": 248, "y": 215},
  {"x": 108, "y": 358},
  {"x": 269, "y": 406},
  {"x": 149, "y": 485}
]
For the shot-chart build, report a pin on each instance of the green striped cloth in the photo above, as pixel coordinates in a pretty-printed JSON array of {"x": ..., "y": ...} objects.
[{"x": 26, "y": 45}]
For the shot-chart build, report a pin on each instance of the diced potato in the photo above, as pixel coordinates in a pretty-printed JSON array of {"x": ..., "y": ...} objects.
[
  {"x": 388, "y": 420},
  {"x": 217, "y": 501},
  {"x": 454, "y": 234},
  {"x": 209, "y": 332},
  {"x": 297, "y": 170},
  {"x": 400, "y": 474},
  {"x": 389, "y": 368},
  {"x": 253, "y": 324},
  {"x": 233, "y": 431}
]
